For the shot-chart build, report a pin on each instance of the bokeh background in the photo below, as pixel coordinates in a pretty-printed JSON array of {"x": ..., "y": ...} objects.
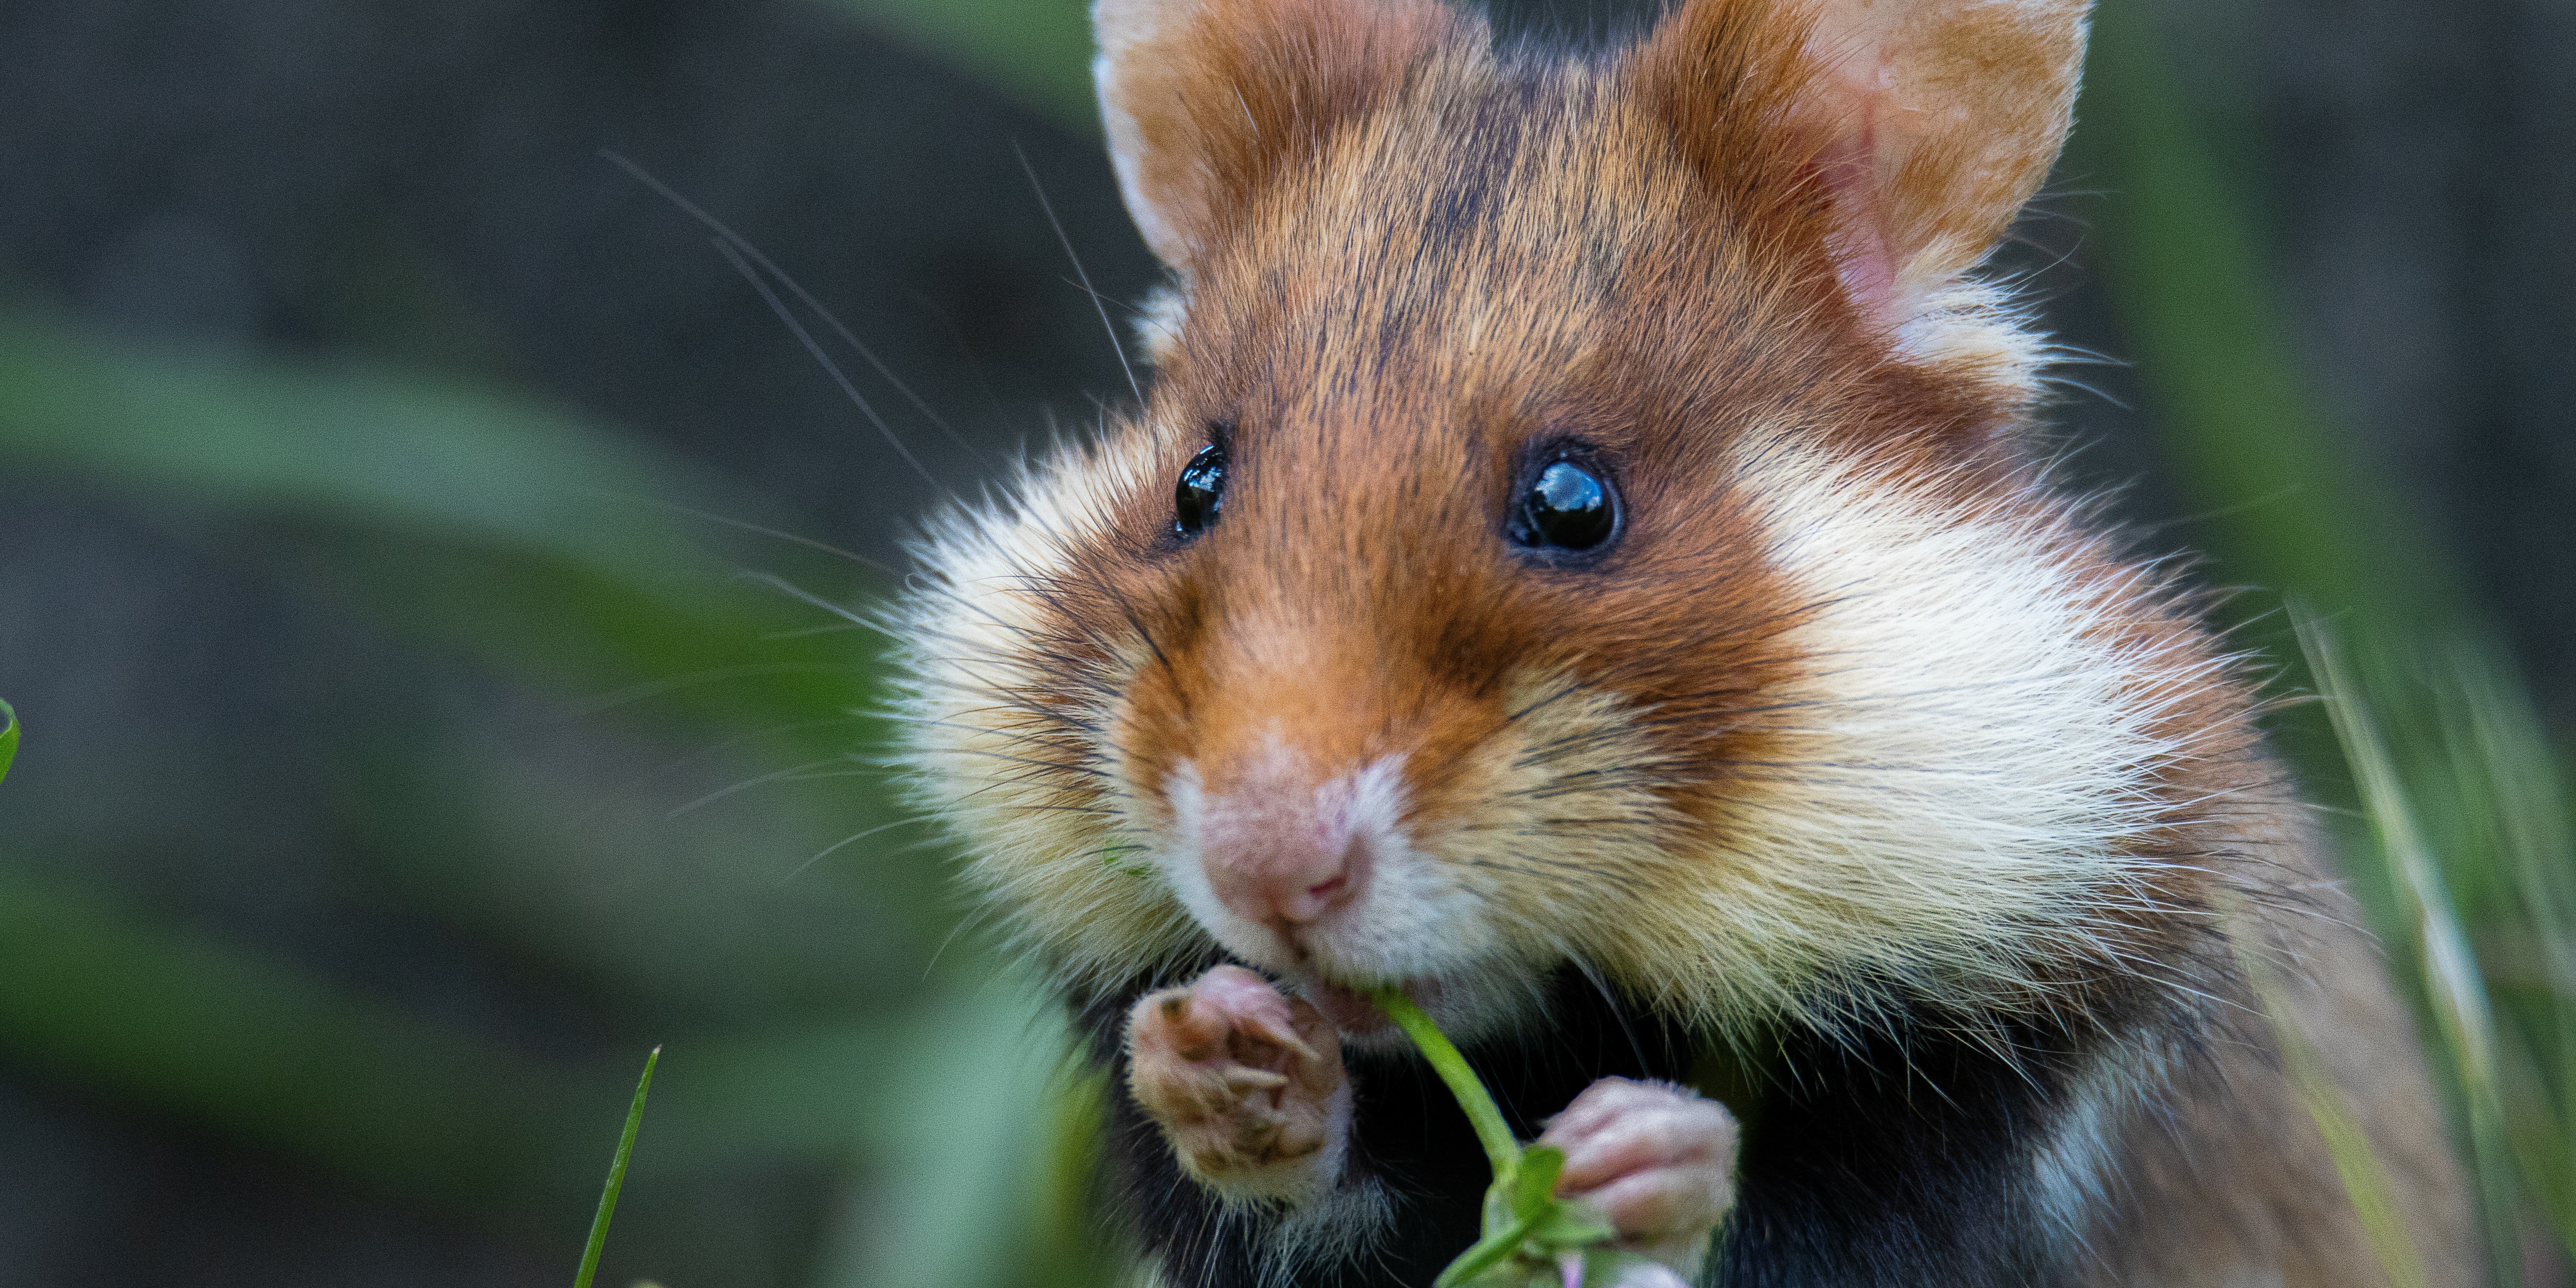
[{"x": 416, "y": 735}]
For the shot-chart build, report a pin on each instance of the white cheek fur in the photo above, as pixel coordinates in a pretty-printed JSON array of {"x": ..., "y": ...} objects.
[
  {"x": 1970, "y": 766},
  {"x": 974, "y": 664}
]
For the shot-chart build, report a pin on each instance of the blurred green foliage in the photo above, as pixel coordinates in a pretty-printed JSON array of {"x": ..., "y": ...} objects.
[
  {"x": 469, "y": 519},
  {"x": 1037, "y": 51}
]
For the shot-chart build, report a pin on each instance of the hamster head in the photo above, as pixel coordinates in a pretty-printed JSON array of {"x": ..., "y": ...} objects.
[{"x": 1580, "y": 521}]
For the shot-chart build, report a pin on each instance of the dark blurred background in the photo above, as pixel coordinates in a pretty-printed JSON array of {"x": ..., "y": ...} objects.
[{"x": 401, "y": 764}]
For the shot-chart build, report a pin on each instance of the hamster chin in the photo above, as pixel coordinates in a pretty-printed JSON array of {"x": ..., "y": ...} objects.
[{"x": 1467, "y": 1006}]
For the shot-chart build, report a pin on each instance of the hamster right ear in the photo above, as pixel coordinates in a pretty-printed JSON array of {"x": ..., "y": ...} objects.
[
  {"x": 1204, "y": 99},
  {"x": 1923, "y": 125}
]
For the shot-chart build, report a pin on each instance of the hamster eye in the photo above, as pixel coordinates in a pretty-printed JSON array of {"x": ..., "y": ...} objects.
[
  {"x": 1200, "y": 495},
  {"x": 1565, "y": 507}
]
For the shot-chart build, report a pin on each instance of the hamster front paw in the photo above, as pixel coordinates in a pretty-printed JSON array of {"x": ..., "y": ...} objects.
[
  {"x": 1659, "y": 1160},
  {"x": 1246, "y": 1083}
]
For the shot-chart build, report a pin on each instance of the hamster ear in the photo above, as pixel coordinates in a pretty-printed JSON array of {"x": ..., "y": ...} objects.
[
  {"x": 1203, "y": 99},
  {"x": 1926, "y": 124}
]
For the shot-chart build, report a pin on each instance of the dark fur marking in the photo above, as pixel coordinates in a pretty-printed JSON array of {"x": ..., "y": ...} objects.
[{"x": 1878, "y": 1161}]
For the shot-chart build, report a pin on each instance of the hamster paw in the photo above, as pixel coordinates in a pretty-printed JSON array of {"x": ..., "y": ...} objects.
[
  {"x": 1659, "y": 1160},
  {"x": 1246, "y": 1083}
]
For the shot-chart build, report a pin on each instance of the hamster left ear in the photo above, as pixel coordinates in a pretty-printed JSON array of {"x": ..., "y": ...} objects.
[
  {"x": 1204, "y": 99},
  {"x": 1924, "y": 124}
]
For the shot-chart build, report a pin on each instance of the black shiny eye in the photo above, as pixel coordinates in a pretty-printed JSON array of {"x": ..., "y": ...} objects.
[
  {"x": 1565, "y": 507},
  {"x": 1200, "y": 496}
]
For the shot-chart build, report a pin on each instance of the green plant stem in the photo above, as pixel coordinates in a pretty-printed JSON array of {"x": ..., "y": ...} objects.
[
  {"x": 1452, "y": 1067},
  {"x": 1488, "y": 1253},
  {"x": 616, "y": 1177}
]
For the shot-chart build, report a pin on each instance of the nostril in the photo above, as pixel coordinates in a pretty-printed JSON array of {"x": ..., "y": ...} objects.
[
  {"x": 1285, "y": 872},
  {"x": 1340, "y": 884}
]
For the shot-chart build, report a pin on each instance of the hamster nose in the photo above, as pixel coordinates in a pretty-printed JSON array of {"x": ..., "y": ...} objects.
[{"x": 1287, "y": 881}]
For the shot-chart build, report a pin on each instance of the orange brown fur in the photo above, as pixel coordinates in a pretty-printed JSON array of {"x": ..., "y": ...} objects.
[{"x": 1408, "y": 259}]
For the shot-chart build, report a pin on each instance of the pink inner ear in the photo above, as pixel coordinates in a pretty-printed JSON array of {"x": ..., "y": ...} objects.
[
  {"x": 1847, "y": 108},
  {"x": 1863, "y": 259}
]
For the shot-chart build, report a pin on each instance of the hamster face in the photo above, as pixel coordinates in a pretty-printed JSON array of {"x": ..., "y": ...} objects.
[{"x": 1524, "y": 563}]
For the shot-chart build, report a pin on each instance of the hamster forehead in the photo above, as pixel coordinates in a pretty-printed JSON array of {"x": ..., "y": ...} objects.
[{"x": 1525, "y": 240}]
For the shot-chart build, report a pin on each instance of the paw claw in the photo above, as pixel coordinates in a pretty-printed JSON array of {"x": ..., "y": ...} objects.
[
  {"x": 1271, "y": 1030},
  {"x": 1246, "y": 1083}
]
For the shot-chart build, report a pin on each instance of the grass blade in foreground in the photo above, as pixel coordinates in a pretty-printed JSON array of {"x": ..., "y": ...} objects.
[
  {"x": 2453, "y": 983},
  {"x": 2364, "y": 1181},
  {"x": 616, "y": 1176}
]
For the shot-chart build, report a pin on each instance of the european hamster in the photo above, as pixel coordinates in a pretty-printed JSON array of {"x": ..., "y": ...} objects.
[{"x": 1585, "y": 559}]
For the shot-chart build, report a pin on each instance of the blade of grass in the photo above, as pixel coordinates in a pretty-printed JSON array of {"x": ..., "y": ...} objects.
[
  {"x": 964, "y": 1106},
  {"x": 616, "y": 1177},
  {"x": 2292, "y": 505},
  {"x": 2365, "y": 1182},
  {"x": 123, "y": 1007},
  {"x": 2509, "y": 780},
  {"x": 389, "y": 451},
  {"x": 2452, "y": 981},
  {"x": 177, "y": 1024},
  {"x": 451, "y": 512}
]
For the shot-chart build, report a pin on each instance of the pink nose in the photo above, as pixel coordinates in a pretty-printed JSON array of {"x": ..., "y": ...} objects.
[{"x": 1288, "y": 876}]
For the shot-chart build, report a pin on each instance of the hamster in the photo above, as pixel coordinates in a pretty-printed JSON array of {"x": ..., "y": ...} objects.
[{"x": 1586, "y": 559}]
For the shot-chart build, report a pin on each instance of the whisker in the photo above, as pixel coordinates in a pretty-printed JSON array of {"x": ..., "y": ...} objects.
[
  {"x": 802, "y": 295},
  {"x": 1617, "y": 1011},
  {"x": 796, "y": 726},
  {"x": 851, "y": 839},
  {"x": 656, "y": 688},
  {"x": 806, "y": 338},
  {"x": 1120, "y": 346},
  {"x": 965, "y": 352},
  {"x": 778, "y": 535},
  {"x": 808, "y": 632},
  {"x": 794, "y": 591},
  {"x": 807, "y": 772}
]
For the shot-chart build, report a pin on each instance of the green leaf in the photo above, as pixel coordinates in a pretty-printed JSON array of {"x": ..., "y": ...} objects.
[
  {"x": 1489, "y": 1253},
  {"x": 117, "y": 1006},
  {"x": 2463, "y": 1013},
  {"x": 1566, "y": 1226},
  {"x": 113, "y": 1003},
  {"x": 8, "y": 739},
  {"x": 616, "y": 1177},
  {"x": 1533, "y": 1183}
]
